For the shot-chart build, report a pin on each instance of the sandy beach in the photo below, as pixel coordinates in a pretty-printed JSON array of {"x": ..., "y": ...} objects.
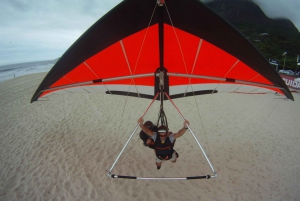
[{"x": 60, "y": 147}]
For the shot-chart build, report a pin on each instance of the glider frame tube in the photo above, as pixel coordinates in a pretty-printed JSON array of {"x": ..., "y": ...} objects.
[
  {"x": 108, "y": 174},
  {"x": 151, "y": 74},
  {"x": 161, "y": 178},
  {"x": 207, "y": 159},
  {"x": 223, "y": 79},
  {"x": 99, "y": 81}
]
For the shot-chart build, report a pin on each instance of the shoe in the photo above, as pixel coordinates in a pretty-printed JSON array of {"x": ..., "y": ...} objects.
[
  {"x": 158, "y": 167},
  {"x": 177, "y": 155}
]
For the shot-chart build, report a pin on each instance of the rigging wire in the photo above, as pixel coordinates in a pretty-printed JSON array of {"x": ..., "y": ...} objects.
[
  {"x": 96, "y": 75},
  {"x": 132, "y": 80},
  {"x": 142, "y": 45},
  {"x": 128, "y": 65},
  {"x": 244, "y": 83},
  {"x": 256, "y": 131},
  {"x": 237, "y": 61},
  {"x": 189, "y": 79}
]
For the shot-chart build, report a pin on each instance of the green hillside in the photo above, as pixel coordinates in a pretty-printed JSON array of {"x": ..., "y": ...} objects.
[{"x": 272, "y": 37}]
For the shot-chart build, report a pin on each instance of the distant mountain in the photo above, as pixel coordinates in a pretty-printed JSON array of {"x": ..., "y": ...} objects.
[
  {"x": 271, "y": 36},
  {"x": 245, "y": 11}
]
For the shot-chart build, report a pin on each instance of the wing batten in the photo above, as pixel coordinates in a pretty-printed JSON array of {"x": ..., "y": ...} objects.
[
  {"x": 224, "y": 80},
  {"x": 209, "y": 46}
]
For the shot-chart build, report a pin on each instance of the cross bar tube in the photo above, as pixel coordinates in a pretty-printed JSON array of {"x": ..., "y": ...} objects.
[
  {"x": 99, "y": 80},
  {"x": 162, "y": 178},
  {"x": 108, "y": 173},
  {"x": 222, "y": 79},
  {"x": 212, "y": 168}
]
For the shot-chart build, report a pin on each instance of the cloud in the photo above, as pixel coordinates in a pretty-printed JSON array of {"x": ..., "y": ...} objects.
[
  {"x": 45, "y": 26},
  {"x": 33, "y": 30},
  {"x": 281, "y": 9},
  {"x": 18, "y": 5}
]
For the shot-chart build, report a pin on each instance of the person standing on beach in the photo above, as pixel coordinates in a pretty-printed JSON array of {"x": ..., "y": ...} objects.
[{"x": 163, "y": 141}]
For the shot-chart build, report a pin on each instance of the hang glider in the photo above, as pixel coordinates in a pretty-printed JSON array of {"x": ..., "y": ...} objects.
[
  {"x": 124, "y": 50},
  {"x": 161, "y": 50}
]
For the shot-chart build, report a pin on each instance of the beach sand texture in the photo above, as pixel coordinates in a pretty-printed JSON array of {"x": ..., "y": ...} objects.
[{"x": 60, "y": 147}]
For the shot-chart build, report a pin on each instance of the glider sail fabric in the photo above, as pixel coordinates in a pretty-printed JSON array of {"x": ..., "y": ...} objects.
[{"x": 124, "y": 51}]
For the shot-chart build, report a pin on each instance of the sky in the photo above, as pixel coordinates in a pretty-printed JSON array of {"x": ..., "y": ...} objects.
[{"x": 35, "y": 30}]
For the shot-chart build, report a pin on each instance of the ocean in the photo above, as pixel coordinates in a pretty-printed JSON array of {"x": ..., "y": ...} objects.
[{"x": 16, "y": 70}]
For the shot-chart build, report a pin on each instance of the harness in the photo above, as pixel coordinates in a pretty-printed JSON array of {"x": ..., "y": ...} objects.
[{"x": 163, "y": 151}]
